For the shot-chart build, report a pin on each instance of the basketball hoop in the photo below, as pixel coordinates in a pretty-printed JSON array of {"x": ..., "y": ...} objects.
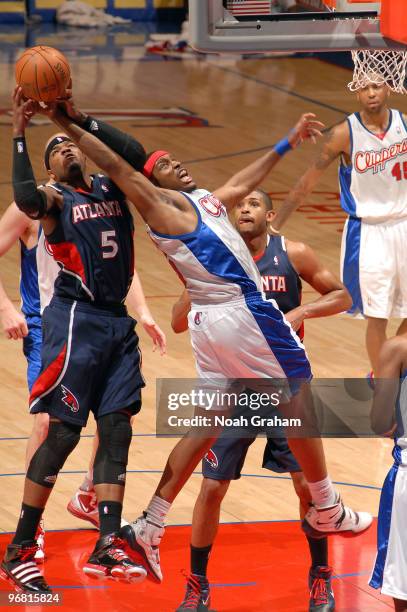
[{"x": 382, "y": 67}]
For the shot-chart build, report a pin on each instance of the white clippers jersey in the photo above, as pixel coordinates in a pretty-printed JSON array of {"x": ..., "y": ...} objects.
[
  {"x": 374, "y": 186},
  {"x": 38, "y": 273},
  {"x": 48, "y": 270},
  {"x": 213, "y": 260}
]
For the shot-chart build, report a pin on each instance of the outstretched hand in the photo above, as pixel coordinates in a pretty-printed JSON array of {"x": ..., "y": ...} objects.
[
  {"x": 64, "y": 106},
  {"x": 23, "y": 110},
  {"x": 155, "y": 333},
  {"x": 67, "y": 104},
  {"x": 308, "y": 127}
]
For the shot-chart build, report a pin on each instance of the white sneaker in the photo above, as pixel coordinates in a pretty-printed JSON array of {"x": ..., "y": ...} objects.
[
  {"x": 84, "y": 505},
  {"x": 40, "y": 540},
  {"x": 319, "y": 522},
  {"x": 144, "y": 538}
]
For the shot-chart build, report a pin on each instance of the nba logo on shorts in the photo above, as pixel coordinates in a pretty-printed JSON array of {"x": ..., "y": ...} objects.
[
  {"x": 212, "y": 459},
  {"x": 197, "y": 318}
]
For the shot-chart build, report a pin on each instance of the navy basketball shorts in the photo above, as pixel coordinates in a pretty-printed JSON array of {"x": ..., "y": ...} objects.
[
  {"x": 32, "y": 349},
  {"x": 90, "y": 362},
  {"x": 225, "y": 460}
]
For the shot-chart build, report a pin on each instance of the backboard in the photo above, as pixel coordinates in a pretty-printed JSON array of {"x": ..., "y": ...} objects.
[{"x": 246, "y": 26}]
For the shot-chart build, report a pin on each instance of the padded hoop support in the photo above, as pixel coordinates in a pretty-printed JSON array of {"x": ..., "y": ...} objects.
[{"x": 393, "y": 20}]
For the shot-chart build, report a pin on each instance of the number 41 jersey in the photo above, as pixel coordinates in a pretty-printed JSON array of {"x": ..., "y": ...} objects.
[
  {"x": 93, "y": 243},
  {"x": 374, "y": 186}
]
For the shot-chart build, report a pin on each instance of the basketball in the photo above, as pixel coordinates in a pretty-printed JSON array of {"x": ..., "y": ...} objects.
[{"x": 43, "y": 73}]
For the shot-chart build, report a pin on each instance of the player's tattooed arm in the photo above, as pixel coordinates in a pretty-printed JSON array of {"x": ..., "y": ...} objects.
[{"x": 336, "y": 143}]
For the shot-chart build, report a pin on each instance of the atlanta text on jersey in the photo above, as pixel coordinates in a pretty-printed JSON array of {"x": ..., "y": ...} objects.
[{"x": 94, "y": 210}]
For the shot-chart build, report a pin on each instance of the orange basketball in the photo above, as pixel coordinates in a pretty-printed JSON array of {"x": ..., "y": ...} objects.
[{"x": 43, "y": 73}]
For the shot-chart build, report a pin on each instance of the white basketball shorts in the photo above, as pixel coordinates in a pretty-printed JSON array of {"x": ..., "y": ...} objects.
[
  {"x": 374, "y": 267},
  {"x": 246, "y": 338},
  {"x": 390, "y": 570}
]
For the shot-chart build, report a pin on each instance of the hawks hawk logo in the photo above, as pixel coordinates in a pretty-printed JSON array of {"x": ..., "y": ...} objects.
[
  {"x": 212, "y": 459},
  {"x": 69, "y": 399}
]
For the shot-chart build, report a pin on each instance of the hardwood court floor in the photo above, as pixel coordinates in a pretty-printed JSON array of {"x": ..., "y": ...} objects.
[{"x": 248, "y": 105}]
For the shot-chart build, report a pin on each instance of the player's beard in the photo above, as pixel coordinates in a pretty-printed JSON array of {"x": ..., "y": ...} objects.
[{"x": 74, "y": 171}]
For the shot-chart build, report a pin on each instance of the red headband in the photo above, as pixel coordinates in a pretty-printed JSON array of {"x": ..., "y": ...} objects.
[{"x": 152, "y": 160}]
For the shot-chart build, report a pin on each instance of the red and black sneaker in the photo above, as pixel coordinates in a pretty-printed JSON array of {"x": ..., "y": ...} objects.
[
  {"x": 20, "y": 569},
  {"x": 321, "y": 598},
  {"x": 109, "y": 560},
  {"x": 197, "y": 596}
]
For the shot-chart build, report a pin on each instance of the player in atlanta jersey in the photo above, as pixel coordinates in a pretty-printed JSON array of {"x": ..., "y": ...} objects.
[
  {"x": 38, "y": 273},
  {"x": 90, "y": 355},
  {"x": 241, "y": 335},
  {"x": 282, "y": 264},
  {"x": 389, "y": 417},
  {"x": 372, "y": 148}
]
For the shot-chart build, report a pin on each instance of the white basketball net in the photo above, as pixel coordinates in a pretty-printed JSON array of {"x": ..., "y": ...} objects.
[{"x": 380, "y": 67}]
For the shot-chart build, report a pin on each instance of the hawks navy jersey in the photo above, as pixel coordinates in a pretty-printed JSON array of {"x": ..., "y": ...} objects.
[
  {"x": 93, "y": 243},
  {"x": 280, "y": 281}
]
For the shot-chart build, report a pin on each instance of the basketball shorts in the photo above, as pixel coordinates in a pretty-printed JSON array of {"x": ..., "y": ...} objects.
[
  {"x": 390, "y": 570},
  {"x": 374, "y": 267},
  {"x": 225, "y": 460},
  {"x": 90, "y": 362},
  {"x": 32, "y": 349},
  {"x": 246, "y": 338}
]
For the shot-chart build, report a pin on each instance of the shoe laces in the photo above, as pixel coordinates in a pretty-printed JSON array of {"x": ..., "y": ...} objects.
[
  {"x": 346, "y": 511},
  {"x": 193, "y": 593},
  {"x": 116, "y": 551},
  {"x": 319, "y": 592}
]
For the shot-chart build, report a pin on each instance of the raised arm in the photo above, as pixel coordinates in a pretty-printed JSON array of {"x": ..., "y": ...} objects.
[
  {"x": 36, "y": 203},
  {"x": 156, "y": 206},
  {"x": 336, "y": 142},
  {"x": 13, "y": 225},
  {"x": 334, "y": 296},
  {"x": 242, "y": 183},
  {"x": 121, "y": 143}
]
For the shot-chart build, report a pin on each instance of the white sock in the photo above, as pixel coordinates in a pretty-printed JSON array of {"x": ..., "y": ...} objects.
[
  {"x": 322, "y": 492},
  {"x": 157, "y": 510}
]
